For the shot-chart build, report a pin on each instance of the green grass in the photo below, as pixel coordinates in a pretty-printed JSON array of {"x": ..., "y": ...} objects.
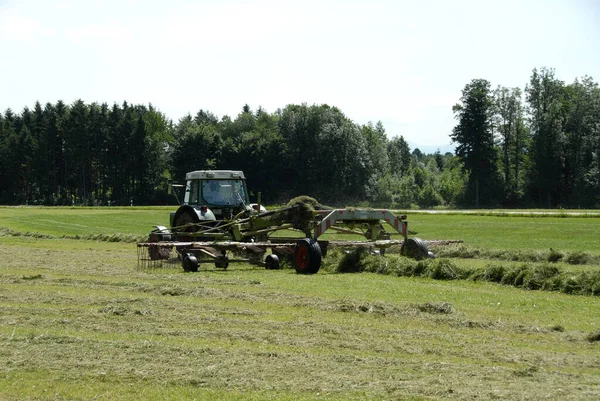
[
  {"x": 87, "y": 315},
  {"x": 80, "y": 320},
  {"x": 72, "y": 221},
  {"x": 478, "y": 231},
  {"x": 511, "y": 233}
]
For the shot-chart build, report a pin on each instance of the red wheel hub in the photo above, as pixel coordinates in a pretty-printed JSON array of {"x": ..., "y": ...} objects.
[{"x": 301, "y": 257}]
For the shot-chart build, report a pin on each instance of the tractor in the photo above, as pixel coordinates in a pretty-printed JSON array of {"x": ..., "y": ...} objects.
[{"x": 216, "y": 220}]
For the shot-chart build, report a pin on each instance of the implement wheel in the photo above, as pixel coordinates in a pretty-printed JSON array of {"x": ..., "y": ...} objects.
[
  {"x": 307, "y": 256},
  {"x": 415, "y": 248},
  {"x": 222, "y": 262},
  {"x": 272, "y": 262},
  {"x": 189, "y": 262}
]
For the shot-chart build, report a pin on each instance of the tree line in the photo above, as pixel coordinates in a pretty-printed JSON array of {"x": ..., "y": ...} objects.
[
  {"x": 96, "y": 154},
  {"x": 84, "y": 154},
  {"x": 543, "y": 152}
]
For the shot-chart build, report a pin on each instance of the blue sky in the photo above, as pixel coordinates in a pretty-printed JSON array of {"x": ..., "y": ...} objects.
[{"x": 401, "y": 62}]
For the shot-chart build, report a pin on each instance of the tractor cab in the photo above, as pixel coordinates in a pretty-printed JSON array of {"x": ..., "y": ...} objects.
[
  {"x": 212, "y": 195},
  {"x": 222, "y": 192},
  {"x": 217, "y": 189}
]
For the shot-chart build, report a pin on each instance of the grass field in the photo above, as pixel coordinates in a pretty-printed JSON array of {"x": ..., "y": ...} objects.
[{"x": 80, "y": 320}]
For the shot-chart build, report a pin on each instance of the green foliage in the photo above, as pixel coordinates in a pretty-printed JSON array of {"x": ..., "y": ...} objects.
[
  {"x": 510, "y": 124},
  {"x": 429, "y": 197},
  {"x": 544, "y": 95},
  {"x": 475, "y": 140},
  {"x": 83, "y": 154},
  {"x": 544, "y": 154}
]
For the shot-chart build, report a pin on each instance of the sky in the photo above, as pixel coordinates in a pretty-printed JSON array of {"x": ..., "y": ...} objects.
[{"x": 403, "y": 63}]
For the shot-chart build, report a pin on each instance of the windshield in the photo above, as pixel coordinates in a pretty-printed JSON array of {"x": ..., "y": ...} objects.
[{"x": 224, "y": 192}]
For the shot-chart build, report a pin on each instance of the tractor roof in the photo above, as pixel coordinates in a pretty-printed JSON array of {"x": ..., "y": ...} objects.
[{"x": 215, "y": 175}]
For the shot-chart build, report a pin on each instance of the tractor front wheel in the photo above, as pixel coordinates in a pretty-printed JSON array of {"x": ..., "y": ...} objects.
[{"x": 307, "y": 256}]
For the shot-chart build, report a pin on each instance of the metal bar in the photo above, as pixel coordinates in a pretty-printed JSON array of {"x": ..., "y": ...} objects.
[
  {"x": 364, "y": 215},
  {"x": 268, "y": 230},
  {"x": 346, "y": 230}
]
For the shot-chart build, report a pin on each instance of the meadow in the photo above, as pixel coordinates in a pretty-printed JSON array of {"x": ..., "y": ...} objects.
[{"x": 80, "y": 320}]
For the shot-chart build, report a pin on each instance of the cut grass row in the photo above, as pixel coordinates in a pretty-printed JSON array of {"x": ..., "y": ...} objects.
[{"x": 532, "y": 276}]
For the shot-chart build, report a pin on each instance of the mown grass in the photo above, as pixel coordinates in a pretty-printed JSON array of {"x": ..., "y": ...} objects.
[
  {"x": 594, "y": 213},
  {"x": 80, "y": 320},
  {"x": 532, "y": 276},
  {"x": 551, "y": 255}
]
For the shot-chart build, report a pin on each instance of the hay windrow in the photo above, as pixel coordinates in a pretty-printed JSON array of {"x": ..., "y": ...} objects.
[
  {"x": 594, "y": 336},
  {"x": 309, "y": 203},
  {"x": 552, "y": 255},
  {"x": 543, "y": 276},
  {"x": 300, "y": 212},
  {"x": 128, "y": 238}
]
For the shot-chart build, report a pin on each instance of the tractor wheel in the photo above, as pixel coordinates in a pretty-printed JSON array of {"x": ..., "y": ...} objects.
[
  {"x": 415, "y": 248},
  {"x": 189, "y": 262},
  {"x": 307, "y": 256},
  {"x": 186, "y": 217},
  {"x": 272, "y": 262},
  {"x": 183, "y": 217}
]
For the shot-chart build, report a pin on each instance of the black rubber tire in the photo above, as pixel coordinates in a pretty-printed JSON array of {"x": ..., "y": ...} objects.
[
  {"x": 185, "y": 215},
  {"x": 222, "y": 262},
  {"x": 307, "y": 256},
  {"x": 323, "y": 245},
  {"x": 272, "y": 262},
  {"x": 415, "y": 248},
  {"x": 189, "y": 263}
]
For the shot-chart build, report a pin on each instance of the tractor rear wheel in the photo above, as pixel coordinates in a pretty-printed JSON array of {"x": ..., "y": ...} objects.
[
  {"x": 184, "y": 220},
  {"x": 307, "y": 256}
]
